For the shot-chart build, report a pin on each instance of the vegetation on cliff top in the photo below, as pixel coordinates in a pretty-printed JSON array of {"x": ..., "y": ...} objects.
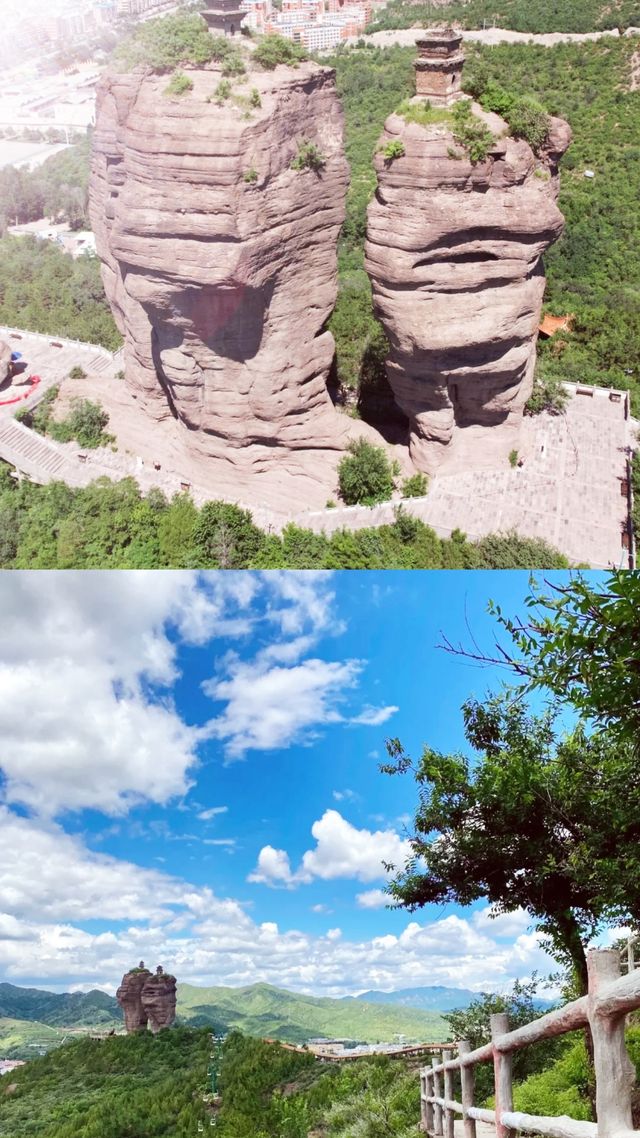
[
  {"x": 170, "y": 42},
  {"x": 110, "y": 525},
  {"x": 534, "y": 16}
]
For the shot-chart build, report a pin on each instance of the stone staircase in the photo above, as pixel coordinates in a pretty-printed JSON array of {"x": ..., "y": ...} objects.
[{"x": 32, "y": 454}]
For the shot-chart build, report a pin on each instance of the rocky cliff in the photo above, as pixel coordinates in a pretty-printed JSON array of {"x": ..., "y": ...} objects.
[
  {"x": 219, "y": 257},
  {"x": 147, "y": 1000},
  {"x": 454, "y": 251}
]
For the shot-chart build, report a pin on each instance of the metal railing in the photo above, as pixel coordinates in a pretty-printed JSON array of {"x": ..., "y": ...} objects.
[{"x": 610, "y": 998}]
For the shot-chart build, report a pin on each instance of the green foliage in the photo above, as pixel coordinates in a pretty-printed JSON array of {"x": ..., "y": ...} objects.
[
  {"x": 549, "y": 394},
  {"x": 169, "y": 42},
  {"x": 263, "y": 1010},
  {"x": 274, "y": 50},
  {"x": 579, "y": 640},
  {"x": 415, "y": 486},
  {"x": 473, "y": 1024},
  {"x": 85, "y": 423},
  {"x": 513, "y": 458},
  {"x": 308, "y": 157},
  {"x": 57, "y": 189},
  {"x": 254, "y": 98},
  {"x": 364, "y": 474},
  {"x": 562, "y": 1089},
  {"x": 250, "y": 176},
  {"x": 77, "y": 373},
  {"x": 145, "y": 1085},
  {"x": 44, "y": 290},
  {"x": 470, "y": 132},
  {"x": 423, "y": 113},
  {"x": 222, "y": 91},
  {"x": 179, "y": 84},
  {"x": 635, "y": 486},
  {"x": 528, "y": 120},
  {"x": 535, "y": 16},
  {"x": 110, "y": 525},
  {"x": 540, "y": 820},
  {"x": 393, "y": 149}
]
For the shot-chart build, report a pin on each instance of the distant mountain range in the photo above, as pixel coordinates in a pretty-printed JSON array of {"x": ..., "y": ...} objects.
[
  {"x": 427, "y": 999},
  {"x": 260, "y": 1009}
]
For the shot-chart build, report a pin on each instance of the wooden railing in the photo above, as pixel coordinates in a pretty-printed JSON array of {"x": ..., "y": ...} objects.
[{"x": 611, "y": 997}]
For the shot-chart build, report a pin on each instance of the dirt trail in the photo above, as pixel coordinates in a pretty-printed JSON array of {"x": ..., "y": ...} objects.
[{"x": 492, "y": 36}]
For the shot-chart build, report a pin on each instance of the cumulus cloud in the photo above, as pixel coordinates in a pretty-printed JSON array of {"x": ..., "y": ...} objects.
[
  {"x": 341, "y": 850},
  {"x": 373, "y": 899},
  {"x": 85, "y": 657},
  {"x": 373, "y": 716}
]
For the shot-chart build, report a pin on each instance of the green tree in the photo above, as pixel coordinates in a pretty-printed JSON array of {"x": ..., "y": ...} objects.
[
  {"x": 225, "y": 537},
  {"x": 364, "y": 474},
  {"x": 541, "y": 821}
]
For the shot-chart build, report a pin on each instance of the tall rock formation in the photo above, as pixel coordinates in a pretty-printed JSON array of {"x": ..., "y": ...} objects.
[
  {"x": 219, "y": 257},
  {"x": 159, "y": 1000},
  {"x": 129, "y": 996},
  {"x": 147, "y": 1000},
  {"x": 454, "y": 252}
]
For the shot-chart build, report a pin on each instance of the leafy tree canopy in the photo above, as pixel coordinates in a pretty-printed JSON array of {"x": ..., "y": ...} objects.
[{"x": 539, "y": 820}]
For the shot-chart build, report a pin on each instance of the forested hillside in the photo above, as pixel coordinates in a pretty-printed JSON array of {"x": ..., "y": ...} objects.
[
  {"x": 135, "y": 1086},
  {"x": 263, "y": 1010},
  {"x": 535, "y": 16},
  {"x": 64, "y": 1009}
]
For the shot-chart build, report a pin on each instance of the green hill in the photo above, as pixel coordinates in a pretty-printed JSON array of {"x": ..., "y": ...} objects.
[
  {"x": 65, "y": 1009},
  {"x": 265, "y": 1011},
  {"x": 127, "y": 1086}
]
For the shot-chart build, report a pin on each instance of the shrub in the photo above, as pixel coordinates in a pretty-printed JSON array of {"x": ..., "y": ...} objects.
[
  {"x": 254, "y": 98},
  {"x": 423, "y": 113},
  {"x": 275, "y": 49},
  {"x": 470, "y": 132},
  {"x": 495, "y": 98},
  {"x": 513, "y": 458},
  {"x": 415, "y": 487},
  {"x": 364, "y": 475},
  {"x": 222, "y": 91},
  {"x": 393, "y": 149},
  {"x": 77, "y": 373},
  {"x": 308, "y": 157},
  {"x": 179, "y": 84},
  {"x": 528, "y": 120},
  {"x": 165, "y": 43},
  {"x": 635, "y": 486},
  {"x": 225, "y": 536},
  {"x": 233, "y": 64},
  {"x": 85, "y": 423},
  {"x": 549, "y": 394},
  {"x": 250, "y": 176}
]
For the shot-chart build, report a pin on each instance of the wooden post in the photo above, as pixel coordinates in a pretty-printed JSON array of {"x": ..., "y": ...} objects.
[
  {"x": 615, "y": 1073},
  {"x": 502, "y": 1070},
  {"x": 467, "y": 1081},
  {"x": 437, "y": 1090},
  {"x": 428, "y": 1078},
  {"x": 449, "y": 1116},
  {"x": 631, "y": 957}
]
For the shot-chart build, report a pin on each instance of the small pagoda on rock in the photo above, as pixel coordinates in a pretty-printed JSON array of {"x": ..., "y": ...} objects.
[
  {"x": 223, "y": 16},
  {"x": 438, "y": 66}
]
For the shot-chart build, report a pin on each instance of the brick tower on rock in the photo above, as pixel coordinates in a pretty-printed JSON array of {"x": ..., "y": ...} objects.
[
  {"x": 223, "y": 17},
  {"x": 438, "y": 66}
]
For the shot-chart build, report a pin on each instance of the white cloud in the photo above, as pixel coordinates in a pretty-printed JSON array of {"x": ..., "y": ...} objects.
[
  {"x": 373, "y": 716},
  {"x": 341, "y": 851},
  {"x": 207, "y": 815},
  {"x": 272, "y": 707},
  {"x": 342, "y": 795},
  {"x": 373, "y": 899},
  {"x": 334, "y": 934},
  {"x": 79, "y": 723}
]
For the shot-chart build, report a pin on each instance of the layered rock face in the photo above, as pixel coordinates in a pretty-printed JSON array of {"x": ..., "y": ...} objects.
[
  {"x": 219, "y": 258},
  {"x": 454, "y": 251},
  {"x": 159, "y": 1001},
  {"x": 147, "y": 1000}
]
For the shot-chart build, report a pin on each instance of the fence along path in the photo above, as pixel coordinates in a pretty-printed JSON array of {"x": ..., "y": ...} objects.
[{"x": 610, "y": 998}]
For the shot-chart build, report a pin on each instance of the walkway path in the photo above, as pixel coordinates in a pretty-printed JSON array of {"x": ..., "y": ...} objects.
[
  {"x": 492, "y": 36},
  {"x": 570, "y": 490}
]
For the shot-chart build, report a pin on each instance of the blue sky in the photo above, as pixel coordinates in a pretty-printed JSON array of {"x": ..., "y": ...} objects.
[{"x": 190, "y": 774}]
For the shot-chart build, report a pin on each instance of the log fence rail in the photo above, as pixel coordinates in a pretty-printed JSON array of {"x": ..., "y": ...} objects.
[{"x": 610, "y": 998}]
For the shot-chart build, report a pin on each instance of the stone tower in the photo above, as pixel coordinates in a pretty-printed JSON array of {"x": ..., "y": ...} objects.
[
  {"x": 438, "y": 66},
  {"x": 223, "y": 16}
]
